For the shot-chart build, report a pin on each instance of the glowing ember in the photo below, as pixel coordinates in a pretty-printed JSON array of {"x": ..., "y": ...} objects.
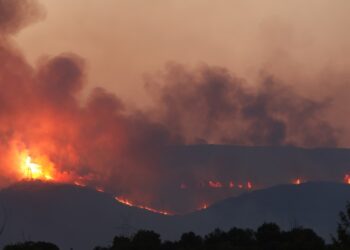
[
  {"x": 240, "y": 186},
  {"x": 202, "y": 207},
  {"x": 232, "y": 184},
  {"x": 124, "y": 201},
  {"x": 80, "y": 184},
  {"x": 131, "y": 204},
  {"x": 347, "y": 179},
  {"x": 249, "y": 185},
  {"x": 215, "y": 184},
  {"x": 297, "y": 181}
]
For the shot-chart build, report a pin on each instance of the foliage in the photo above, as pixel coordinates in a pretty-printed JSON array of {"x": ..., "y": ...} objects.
[
  {"x": 343, "y": 231},
  {"x": 268, "y": 236},
  {"x": 32, "y": 246}
]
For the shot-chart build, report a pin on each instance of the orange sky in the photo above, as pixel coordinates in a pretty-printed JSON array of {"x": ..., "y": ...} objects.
[{"x": 305, "y": 43}]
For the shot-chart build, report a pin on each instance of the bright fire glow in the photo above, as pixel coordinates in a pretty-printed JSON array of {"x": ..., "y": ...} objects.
[
  {"x": 231, "y": 185},
  {"x": 132, "y": 204},
  {"x": 215, "y": 184},
  {"x": 297, "y": 181},
  {"x": 204, "y": 206},
  {"x": 347, "y": 179},
  {"x": 33, "y": 170},
  {"x": 80, "y": 184},
  {"x": 99, "y": 189}
]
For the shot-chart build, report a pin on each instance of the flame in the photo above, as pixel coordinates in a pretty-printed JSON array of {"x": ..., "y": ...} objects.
[
  {"x": 124, "y": 201},
  {"x": 132, "y": 204},
  {"x": 347, "y": 179},
  {"x": 215, "y": 184},
  {"x": 231, "y": 185},
  {"x": 297, "y": 181},
  {"x": 203, "y": 206},
  {"x": 40, "y": 169},
  {"x": 80, "y": 184}
]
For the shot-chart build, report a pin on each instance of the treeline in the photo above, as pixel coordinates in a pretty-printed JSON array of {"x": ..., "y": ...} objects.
[{"x": 268, "y": 236}]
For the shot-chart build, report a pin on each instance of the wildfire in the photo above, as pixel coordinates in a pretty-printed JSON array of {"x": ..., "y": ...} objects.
[
  {"x": 100, "y": 189},
  {"x": 347, "y": 179},
  {"x": 124, "y": 201},
  {"x": 215, "y": 184},
  {"x": 35, "y": 170},
  {"x": 218, "y": 184},
  {"x": 202, "y": 207},
  {"x": 132, "y": 204},
  {"x": 297, "y": 181},
  {"x": 80, "y": 184}
]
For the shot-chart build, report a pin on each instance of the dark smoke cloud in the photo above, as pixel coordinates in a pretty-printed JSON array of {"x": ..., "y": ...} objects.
[
  {"x": 105, "y": 143},
  {"x": 16, "y": 14},
  {"x": 212, "y": 105}
]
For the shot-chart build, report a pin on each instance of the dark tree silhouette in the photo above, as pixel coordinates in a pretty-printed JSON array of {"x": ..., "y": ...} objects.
[
  {"x": 191, "y": 241},
  {"x": 217, "y": 240},
  {"x": 302, "y": 239},
  {"x": 121, "y": 243},
  {"x": 243, "y": 238},
  {"x": 343, "y": 231},
  {"x": 144, "y": 239},
  {"x": 32, "y": 246},
  {"x": 268, "y": 236},
  {"x": 4, "y": 220}
]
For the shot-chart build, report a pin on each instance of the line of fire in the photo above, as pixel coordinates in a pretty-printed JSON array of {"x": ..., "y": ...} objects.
[{"x": 41, "y": 168}]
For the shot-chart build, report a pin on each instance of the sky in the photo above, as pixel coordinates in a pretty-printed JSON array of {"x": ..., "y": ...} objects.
[{"x": 305, "y": 44}]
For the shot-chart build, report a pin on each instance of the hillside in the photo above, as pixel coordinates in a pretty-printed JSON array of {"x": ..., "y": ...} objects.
[{"x": 82, "y": 218}]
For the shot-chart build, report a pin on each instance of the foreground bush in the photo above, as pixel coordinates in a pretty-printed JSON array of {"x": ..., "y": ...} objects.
[{"x": 32, "y": 246}]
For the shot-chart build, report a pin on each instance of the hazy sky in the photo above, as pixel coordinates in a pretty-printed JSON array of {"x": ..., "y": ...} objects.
[{"x": 304, "y": 43}]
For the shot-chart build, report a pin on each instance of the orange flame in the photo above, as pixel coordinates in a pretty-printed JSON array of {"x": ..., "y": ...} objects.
[
  {"x": 215, "y": 184},
  {"x": 297, "y": 181},
  {"x": 132, "y": 204},
  {"x": 100, "y": 189},
  {"x": 80, "y": 184},
  {"x": 124, "y": 201},
  {"x": 39, "y": 169},
  {"x": 347, "y": 179},
  {"x": 202, "y": 207}
]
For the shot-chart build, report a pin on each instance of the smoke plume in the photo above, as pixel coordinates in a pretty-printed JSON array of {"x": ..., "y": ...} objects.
[{"x": 212, "y": 105}]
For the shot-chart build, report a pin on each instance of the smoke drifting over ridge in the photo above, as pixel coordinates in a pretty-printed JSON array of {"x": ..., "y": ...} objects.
[
  {"x": 212, "y": 105},
  {"x": 106, "y": 144}
]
